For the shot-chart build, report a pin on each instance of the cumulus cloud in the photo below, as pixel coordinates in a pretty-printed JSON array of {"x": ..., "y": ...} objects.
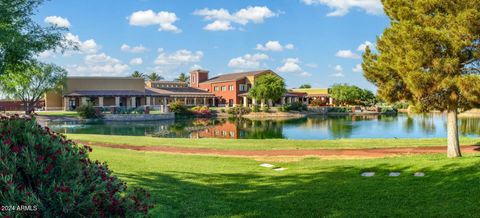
[
  {"x": 164, "y": 19},
  {"x": 338, "y": 71},
  {"x": 222, "y": 19},
  {"x": 362, "y": 47},
  {"x": 274, "y": 46},
  {"x": 196, "y": 67},
  {"x": 136, "y": 61},
  {"x": 347, "y": 54},
  {"x": 179, "y": 57},
  {"x": 57, "y": 21},
  {"x": 47, "y": 54},
  {"x": 134, "y": 49},
  {"x": 342, "y": 7},
  {"x": 98, "y": 65},
  {"x": 84, "y": 47},
  {"x": 247, "y": 61},
  {"x": 357, "y": 68},
  {"x": 290, "y": 65}
]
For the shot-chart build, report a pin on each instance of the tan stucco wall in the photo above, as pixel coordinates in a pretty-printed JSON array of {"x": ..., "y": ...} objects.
[
  {"x": 105, "y": 83},
  {"x": 53, "y": 101}
]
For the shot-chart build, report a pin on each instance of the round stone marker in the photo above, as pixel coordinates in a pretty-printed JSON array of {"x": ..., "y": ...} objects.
[
  {"x": 419, "y": 174},
  {"x": 394, "y": 174},
  {"x": 266, "y": 165},
  {"x": 368, "y": 174}
]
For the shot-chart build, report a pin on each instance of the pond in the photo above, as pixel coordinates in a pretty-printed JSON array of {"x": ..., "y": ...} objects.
[{"x": 312, "y": 127}]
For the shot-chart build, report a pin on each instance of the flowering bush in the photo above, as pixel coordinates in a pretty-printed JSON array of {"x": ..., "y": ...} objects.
[
  {"x": 238, "y": 111},
  {"x": 201, "y": 111},
  {"x": 87, "y": 111},
  {"x": 50, "y": 176}
]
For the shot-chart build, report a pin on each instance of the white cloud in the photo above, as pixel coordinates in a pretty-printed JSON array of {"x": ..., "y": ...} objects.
[
  {"x": 164, "y": 19},
  {"x": 196, "y": 67},
  {"x": 290, "y": 65},
  {"x": 98, "y": 65},
  {"x": 58, "y": 21},
  {"x": 306, "y": 74},
  {"x": 312, "y": 65},
  {"x": 136, "y": 61},
  {"x": 134, "y": 49},
  {"x": 357, "y": 68},
  {"x": 362, "y": 47},
  {"x": 219, "y": 25},
  {"x": 47, "y": 54},
  {"x": 347, "y": 54},
  {"x": 179, "y": 57},
  {"x": 247, "y": 61},
  {"x": 84, "y": 47},
  {"x": 338, "y": 71},
  {"x": 342, "y": 7},
  {"x": 222, "y": 18},
  {"x": 273, "y": 46}
]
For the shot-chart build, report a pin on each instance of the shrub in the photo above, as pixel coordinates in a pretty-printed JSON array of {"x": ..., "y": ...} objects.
[
  {"x": 202, "y": 111},
  {"x": 179, "y": 108},
  {"x": 284, "y": 108},
  {"x": 255, "y": 108},
  {"x": 340, "y": 109},
  {"x": 389, "y": 110},
  {"x": 87, "y": 111},
  {"x": 297, "y": 106},
  {"x": 238, "y": 110},
  {"x": 54, "y": 175},
  {"x": 266, "y": 108},
  {"x": 223, "y": 110}
]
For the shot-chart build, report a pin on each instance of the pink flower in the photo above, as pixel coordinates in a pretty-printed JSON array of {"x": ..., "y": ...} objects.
[
  {"x": 16, "y": 149},
  {"x": 7, "y": 142}
]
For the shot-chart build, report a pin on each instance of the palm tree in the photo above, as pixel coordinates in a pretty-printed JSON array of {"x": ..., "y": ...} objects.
[
  {"x": 154, "y": 77},
  {"x": 183, "y": 78},
  {"x": 137, "y": 74}
]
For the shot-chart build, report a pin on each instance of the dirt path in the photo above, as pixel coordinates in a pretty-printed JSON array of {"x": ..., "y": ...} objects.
[{"x": 367, "y": 153}]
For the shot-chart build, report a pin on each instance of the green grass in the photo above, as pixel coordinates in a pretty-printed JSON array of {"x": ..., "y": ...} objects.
[
  {"x": 208, "y": 186},
  {"x": 265, "y": 144},
  {"x": 58, "y": 113}
]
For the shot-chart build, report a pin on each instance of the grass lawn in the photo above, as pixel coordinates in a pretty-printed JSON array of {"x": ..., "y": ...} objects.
[
  {"x": 266, "y": 144},
  {"x": 58, "y": 113},
  {"x": 208, "y": 186}
]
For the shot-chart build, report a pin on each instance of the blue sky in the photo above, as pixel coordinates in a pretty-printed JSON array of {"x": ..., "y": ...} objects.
[{"x": 305, "y": 41}]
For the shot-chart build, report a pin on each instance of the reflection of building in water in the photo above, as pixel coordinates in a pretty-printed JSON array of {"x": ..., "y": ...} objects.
[{"x": 227, "y": 130}]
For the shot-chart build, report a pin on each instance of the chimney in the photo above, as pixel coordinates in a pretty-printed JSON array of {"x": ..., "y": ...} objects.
[{"x": 198, "y": 76}]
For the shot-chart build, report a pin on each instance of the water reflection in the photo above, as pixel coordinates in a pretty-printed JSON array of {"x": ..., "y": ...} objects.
[{"x": 313, "y": 127}]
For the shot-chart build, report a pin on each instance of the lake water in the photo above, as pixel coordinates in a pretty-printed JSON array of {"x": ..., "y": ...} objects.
[{"x": 312, "y": 127}]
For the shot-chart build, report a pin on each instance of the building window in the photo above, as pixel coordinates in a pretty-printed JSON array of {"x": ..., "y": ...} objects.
[
  {"x": 243, "y": 87},
  {"x": 216, "y": 88},
  {"x": 224, "y": 88},
  {"x": 230, "y": 88}
]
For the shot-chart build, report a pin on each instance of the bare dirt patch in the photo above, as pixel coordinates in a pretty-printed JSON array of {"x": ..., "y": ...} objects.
[{"x": 298, "y": 153}]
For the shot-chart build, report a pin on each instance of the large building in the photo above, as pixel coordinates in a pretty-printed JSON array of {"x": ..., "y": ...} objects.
[{"x": 223, "y": 90}]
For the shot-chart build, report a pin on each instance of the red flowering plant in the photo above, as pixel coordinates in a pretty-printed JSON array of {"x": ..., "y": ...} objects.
[{"x": 43, "y": 174}]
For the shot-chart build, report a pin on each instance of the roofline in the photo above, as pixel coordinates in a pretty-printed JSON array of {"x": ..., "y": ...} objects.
[
  {"x": 230, "y": 80},
  {"x": 103, "y": 77}
]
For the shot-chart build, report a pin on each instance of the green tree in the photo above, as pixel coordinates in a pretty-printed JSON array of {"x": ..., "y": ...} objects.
[
  {"x": 268, "y": 87},
  {"x": 429, "y": 56},
  {"x": 21, "y": 39},
  {"x": 31, "y": 84},
  {"x": 305, "y": 86},
  {"x": 137, "y": 74},
  {"x": 182, "y": 78},
  {"x": 154, "y": 77}
]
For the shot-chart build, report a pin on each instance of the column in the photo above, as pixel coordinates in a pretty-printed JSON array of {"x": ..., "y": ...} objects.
[
  {"x": 147, "y": 101},
  {"x": 205, "y": 101},
  {"x": 153, "y": 100},
  {"x": 84, "y": 101},
  {"x": 100, "y": 101},
  {"x": 134, "y": 103},
  {"x": 185, "y": 101},
  {"x": 195, "y": 101},
  {"x": 270, "y": 102},
  {"x": 262, "y": 103},
  {"x": 117, "y": 101},
  {"x": 245, "y": 101},
  {"x": 165, "y": 108},
  {"x": 283, "y": 100},
  {"x": 289, "y": 100},
  {"x": 330, "y": 100},
  {"x": 254, "y": 101},
  {"x": 66, "y": 107},
  {"x": 175, "y": 99}
]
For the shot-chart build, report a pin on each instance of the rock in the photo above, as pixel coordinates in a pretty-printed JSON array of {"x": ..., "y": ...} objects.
[
  {"x": 280, "y": 169},
  {"x": 394, "y": 174},
  {"x": 419, "y": 174},
  {"x": 368, "y": 174},
  {"x": 266, "y": 165}
]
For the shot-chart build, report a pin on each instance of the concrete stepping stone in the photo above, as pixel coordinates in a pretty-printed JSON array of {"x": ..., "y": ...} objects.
[
  {"x": 394, "y": 174},
  {"x": 419, "y": 174},
  {"x": 280, "y": 169},
  {"x": 266, "y": 165},
  {"x": 368, "y": 174}
]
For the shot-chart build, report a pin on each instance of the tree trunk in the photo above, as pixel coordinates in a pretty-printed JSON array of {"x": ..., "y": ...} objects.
[
  {"x": 262, "y": 103},
  {"x": 452, "y": 137}
]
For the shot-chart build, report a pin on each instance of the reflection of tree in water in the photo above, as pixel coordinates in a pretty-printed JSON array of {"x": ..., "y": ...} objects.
[
  {"x": 427, "y": 123},
  {"x": 341, "y": 126},
  {"x": 184, "y": 127},
  {"x": 409, "y": 124},
  {"x": 469, "y": 126},
  {"x": 259, "y": 129}
]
